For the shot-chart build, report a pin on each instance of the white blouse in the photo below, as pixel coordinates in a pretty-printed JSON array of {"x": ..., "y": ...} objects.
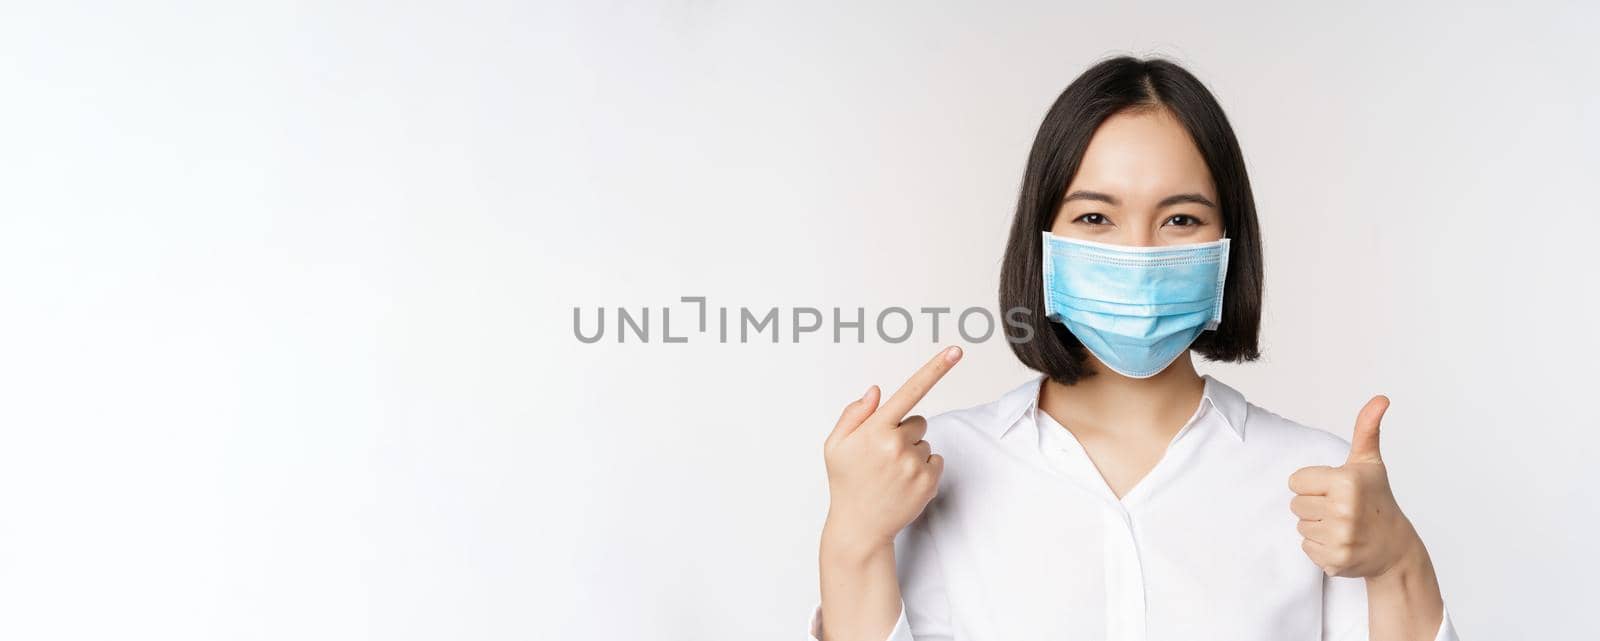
[{"x": 1026, "y": 541}]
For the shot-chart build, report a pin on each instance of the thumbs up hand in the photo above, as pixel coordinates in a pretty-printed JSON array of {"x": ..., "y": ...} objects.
[{"x": 1348, "y": 516}]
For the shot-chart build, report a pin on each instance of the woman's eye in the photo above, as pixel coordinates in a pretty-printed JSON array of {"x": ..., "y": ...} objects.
[
  {"x": 1183, "y": 220},
  {"x": 1091, "y": 219}
]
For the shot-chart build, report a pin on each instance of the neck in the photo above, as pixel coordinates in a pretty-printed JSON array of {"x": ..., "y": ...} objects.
[{"x": 1108, "y": 400}]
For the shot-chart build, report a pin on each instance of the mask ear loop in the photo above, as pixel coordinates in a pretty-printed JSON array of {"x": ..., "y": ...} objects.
[{"x": 1222, "y": 276}]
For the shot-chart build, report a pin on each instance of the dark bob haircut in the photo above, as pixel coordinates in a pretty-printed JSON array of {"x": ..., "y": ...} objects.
[{"x": 1107, "y": 88}]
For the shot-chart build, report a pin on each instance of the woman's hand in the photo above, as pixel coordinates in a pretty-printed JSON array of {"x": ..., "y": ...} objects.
[
  {"x": 1348, "y": 516},
  {"x": 881, "y": 473},
  {"x": 1353, "y": 528}
]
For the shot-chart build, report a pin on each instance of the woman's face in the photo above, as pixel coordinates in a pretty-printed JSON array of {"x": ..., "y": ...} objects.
[{"x": 1142, "y": 183}]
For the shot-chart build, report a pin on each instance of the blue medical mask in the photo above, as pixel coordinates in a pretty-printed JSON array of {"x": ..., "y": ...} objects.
[{"x": 1135, "y": 308}]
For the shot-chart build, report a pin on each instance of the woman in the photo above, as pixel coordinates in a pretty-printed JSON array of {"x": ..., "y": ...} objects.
[{"x": 1120, "y": 495}]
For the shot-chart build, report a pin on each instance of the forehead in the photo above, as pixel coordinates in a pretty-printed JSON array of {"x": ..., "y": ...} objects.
[{"x": 1143, "y": 153}]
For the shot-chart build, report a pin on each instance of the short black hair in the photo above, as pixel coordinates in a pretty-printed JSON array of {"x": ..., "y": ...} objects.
[{"x": 1109, "y": 87}]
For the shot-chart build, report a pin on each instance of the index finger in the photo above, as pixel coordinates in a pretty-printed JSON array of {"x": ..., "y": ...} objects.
[
  {"x": 916, "y": 387},
  {"x": 1310, "y": 481}
]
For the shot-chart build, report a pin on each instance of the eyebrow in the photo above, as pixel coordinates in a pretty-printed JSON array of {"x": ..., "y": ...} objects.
[{"x": 1165, "y": 202}]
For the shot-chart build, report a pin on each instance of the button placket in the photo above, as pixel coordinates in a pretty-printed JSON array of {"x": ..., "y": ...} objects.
[
  {"x": 1125, "y": 589},
  {"x": 1124, "y": 571}
]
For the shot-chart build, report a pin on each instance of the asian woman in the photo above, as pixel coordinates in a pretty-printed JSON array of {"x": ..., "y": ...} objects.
[{"x": 1120, "y": 495}]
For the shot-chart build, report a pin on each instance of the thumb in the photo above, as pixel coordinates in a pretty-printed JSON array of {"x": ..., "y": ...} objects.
[{"x": 1364, "y": 443}]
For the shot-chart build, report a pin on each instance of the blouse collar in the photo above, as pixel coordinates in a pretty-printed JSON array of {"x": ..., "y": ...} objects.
[{"x": 1017, "y": 405}]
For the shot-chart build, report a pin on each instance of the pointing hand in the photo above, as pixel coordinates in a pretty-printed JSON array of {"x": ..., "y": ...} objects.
[{"x": 881, "y": 473}]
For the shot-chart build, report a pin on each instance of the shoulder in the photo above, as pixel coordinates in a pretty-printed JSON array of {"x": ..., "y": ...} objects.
[
  {"x": 988, "y": 420},
  {"x": 1272, "y": 434},
  {"x": 964, "y": 425},
  {"x": 1267, "y": 434},
  {"x": 976, "y": 454}
]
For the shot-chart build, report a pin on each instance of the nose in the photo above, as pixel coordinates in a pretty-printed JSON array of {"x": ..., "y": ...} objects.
[{"x": 1141, "y": 237}]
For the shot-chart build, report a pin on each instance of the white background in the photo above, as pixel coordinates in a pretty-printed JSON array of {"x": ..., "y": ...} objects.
[{"x": 286, "y": 292}]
